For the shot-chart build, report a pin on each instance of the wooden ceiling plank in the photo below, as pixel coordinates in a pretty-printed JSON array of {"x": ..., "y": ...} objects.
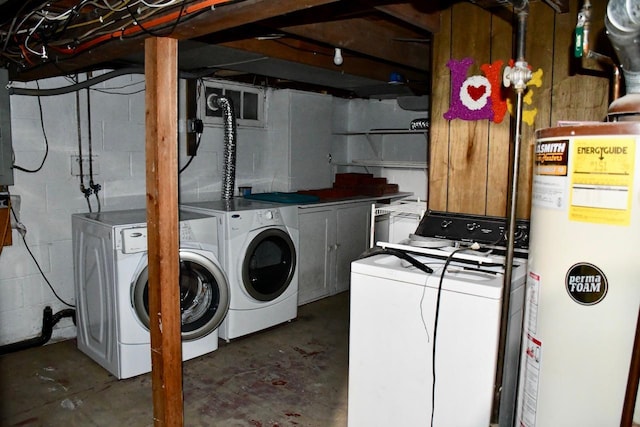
[
  {"x": 408, "y": 13},
  {"x": 307, "y": 54},
  {"x": 365, "y": 37},
  {"x": 242, "y": 13}
]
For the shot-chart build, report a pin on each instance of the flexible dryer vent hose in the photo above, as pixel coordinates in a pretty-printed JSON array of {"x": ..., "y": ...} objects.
[{"x": 214, "y": 102}]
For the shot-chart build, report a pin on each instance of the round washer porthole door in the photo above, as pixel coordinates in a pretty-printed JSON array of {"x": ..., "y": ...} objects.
[
  {"x": 269, "y": 264},
  {"x": 204, "y": 295}
]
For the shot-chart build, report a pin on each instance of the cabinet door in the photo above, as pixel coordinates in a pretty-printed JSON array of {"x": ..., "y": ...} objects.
[
  {"x": 352, "y": 224},
  {"x": 317, "y": 236},
  {"x": 310, "y": 141}
]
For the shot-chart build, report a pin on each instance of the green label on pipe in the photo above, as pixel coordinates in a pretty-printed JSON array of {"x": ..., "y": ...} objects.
[{"x": 579, "y": 33}]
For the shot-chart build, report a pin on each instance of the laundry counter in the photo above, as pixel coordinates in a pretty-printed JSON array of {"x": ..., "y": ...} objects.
[{"x": 333, "y": 233}]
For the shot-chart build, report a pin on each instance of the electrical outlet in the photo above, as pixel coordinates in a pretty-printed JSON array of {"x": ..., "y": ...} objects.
[{"x": 86, "y": 166}]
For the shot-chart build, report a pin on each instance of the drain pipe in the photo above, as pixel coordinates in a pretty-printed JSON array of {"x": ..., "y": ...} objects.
[
  {"x": 49, "y": 320},
  {"x": 518, "y": 77},
  {"x": 215, "y": 101}
]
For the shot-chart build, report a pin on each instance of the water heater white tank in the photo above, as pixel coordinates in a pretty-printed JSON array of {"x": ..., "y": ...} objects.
[{"x": 583, "y": 280}]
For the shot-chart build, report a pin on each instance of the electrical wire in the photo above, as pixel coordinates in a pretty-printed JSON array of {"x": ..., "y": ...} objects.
[
  {"x": 22, "y": 234},
  {"x": 151, "y": 33},
  {"x": 43, "y": 28},
  {"x": 134, "y": 28},
  {"x": 77, "y": 86},
  {"x": 46, "y": 141},
  {"x": 113, "y": 90},
  {"x": 435, "y": 329},
  {"x": 199, "y": 138}
]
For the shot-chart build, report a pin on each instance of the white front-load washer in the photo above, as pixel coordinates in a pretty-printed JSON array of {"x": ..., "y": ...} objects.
[
  {"x": 259, "y": 255},
  {"x": 111, "y": 285}
]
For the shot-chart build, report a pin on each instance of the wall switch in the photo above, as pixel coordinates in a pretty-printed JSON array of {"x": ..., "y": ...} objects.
[{"x": 86, "y": 167}]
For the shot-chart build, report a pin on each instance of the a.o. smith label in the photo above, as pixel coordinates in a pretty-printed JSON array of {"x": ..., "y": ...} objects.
[
  {"x": 586, "y": 283},
  {"x": 551, "y": 157}
]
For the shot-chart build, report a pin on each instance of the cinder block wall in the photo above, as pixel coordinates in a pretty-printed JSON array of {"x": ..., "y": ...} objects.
[{"x": 50, "y": 196}]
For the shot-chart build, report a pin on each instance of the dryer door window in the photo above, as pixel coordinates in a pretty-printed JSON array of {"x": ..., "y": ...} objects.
[
  {"x": 269, "y": 265},
  {"x": 204, "y": 295}
]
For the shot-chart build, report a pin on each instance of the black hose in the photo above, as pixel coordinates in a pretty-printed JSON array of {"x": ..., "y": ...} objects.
[{"x": 49, "y": 320}]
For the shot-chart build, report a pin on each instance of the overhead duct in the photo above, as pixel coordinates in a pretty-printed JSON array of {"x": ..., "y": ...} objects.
[{"x": 622, "y": 23}]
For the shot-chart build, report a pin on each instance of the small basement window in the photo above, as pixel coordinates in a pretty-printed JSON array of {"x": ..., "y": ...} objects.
[{"x": 248, "y": 103}]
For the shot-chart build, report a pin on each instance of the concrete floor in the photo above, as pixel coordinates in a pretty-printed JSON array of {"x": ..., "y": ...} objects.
[{"x": 294, "y": 374}]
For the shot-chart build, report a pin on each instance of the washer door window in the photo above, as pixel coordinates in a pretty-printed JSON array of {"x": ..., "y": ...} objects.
[
  {"x": 269, "y": 265},
  {"x": 204, "y": 295}
]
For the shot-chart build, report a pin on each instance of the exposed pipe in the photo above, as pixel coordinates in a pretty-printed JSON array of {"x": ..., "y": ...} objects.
[
  {"x": 49, "y": 320},
  {"x": 518, "y": 76},
  {"x": 92, "y": 82},
  {"x": 583, "y": 48},
  {"x": 215, "y": 101},
  {"x": 622, "y": 22},
  {"x": 615, "y": 91}
]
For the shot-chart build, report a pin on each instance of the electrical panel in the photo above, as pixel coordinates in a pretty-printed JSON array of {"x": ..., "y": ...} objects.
[{"x": 6, "y": 157}]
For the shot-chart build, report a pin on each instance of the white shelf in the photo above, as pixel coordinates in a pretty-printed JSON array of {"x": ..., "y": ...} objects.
[
  {"x": 376, "y": 161},
  {"x": 398, "y": 164},
  {"x": 403, "y": 207}
]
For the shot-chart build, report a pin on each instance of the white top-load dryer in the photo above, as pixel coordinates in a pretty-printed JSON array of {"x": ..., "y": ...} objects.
[
  {"x": 111, "y": 284},
  {"x": 258, "y": 253}
]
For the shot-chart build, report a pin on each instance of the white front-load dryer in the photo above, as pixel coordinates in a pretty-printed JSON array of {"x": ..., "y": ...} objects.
[
  {"x": 259, "y": 255},
  {"x": 111, "y": 283}
]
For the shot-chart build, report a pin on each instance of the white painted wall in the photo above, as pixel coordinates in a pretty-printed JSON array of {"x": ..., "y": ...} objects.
[
  {"x": 359, "y": 115},
  {"x": 49, "y": 197}
]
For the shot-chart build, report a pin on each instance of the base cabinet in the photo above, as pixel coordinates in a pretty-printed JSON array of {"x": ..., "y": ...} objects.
[{"x": 331, "y": 237}]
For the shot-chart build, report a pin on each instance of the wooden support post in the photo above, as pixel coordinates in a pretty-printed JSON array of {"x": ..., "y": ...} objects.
[{"x": 161, "y": 74}]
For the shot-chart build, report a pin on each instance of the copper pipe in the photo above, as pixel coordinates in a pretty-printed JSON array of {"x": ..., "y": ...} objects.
[{"x": 616, "y": 70}]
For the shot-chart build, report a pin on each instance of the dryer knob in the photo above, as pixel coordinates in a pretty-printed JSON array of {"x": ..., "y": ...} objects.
[{"x": 268, "y": 214}]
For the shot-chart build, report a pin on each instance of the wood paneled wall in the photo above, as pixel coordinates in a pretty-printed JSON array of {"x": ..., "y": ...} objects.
[{"x": 469, "y": 160}]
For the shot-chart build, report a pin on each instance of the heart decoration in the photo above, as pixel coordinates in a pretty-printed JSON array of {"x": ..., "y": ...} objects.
[
  {"x": 470, "y": 96},
  {"x": 476, "y": 92}
]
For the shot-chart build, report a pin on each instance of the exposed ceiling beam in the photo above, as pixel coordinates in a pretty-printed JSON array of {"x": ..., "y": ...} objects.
[
  {"x": 409, "y": 13},
  {"x": 242, "y": 13},
  {"x": 304, "y": 53},
  {"x": 368, "y": 37}
]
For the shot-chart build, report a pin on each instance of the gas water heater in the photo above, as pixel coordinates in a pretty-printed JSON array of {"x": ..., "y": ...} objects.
[{"x": 583, "y": 278}]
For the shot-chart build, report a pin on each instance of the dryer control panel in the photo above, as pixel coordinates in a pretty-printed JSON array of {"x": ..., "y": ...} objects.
[
  {"x": 134, "y": 240},
  {"x": 268, "y": 217}
]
